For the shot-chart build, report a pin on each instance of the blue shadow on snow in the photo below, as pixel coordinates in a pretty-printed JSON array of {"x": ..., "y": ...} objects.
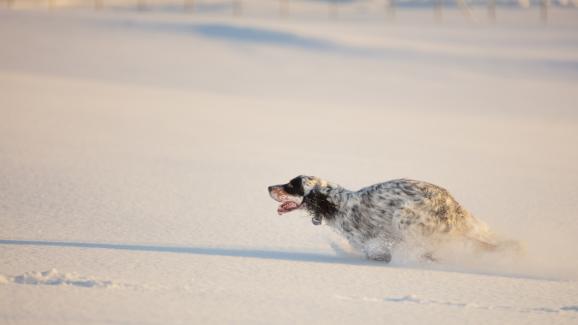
[
  {"x": 262, "y": 36},
  {"x": 211, "y": 251}
]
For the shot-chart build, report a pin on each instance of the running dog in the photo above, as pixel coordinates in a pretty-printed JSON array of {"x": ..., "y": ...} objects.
[{"x": 377, "y": 218}]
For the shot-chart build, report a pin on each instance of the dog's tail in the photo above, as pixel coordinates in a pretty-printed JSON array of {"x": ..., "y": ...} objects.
[
  {"x": 485, "y": 240},
  {"x": 499, "y": 245}
]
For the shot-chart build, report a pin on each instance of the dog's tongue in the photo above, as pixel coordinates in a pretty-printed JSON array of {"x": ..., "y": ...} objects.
[{"x": 287, "y": 206}]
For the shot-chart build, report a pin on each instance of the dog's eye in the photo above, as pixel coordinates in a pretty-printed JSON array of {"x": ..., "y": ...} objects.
[{"x": 294, "y": 187}]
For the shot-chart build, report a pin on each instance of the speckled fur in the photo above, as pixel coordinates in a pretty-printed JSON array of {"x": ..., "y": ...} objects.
[{"x": 377, "y": 218}]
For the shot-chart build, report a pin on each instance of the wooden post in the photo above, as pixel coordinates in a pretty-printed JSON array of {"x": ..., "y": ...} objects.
[
  {"x": 237, "y": 7},
  {"x": 544, "y": 4},
  {"x": 189, "y": 5},
  {"x": 283, "y": 8},
  {"x": 97, "y": 4},
  {"x": 438, "y": 6},
  {"x": 141, "y": 5},
  {"x": 332, "y": 8},
  {"x": 492, "y": 10},
  {"x": 464, "y": 8},
  {"x": 390, "y": 9}
]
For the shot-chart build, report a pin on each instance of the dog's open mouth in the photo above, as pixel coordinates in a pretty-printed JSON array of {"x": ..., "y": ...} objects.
[{"x": 287, "y": 206}]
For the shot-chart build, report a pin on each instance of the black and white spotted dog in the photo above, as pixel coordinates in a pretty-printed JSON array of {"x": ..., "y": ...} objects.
[{"x": 377, "y": 218}]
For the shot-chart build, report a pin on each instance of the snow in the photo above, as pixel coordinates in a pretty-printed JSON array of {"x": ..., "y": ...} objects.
[
  {"x": 136, "y": 150},
  {"x": 55, "y": 278}
]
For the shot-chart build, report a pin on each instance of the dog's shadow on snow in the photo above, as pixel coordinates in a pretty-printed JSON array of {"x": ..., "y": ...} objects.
[
  {"x": 342, "y": 257},
  {"x": 210, "y": 251}
]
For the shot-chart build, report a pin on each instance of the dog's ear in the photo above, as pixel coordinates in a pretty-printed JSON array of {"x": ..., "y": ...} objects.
[{"x": 318, "y": 204}]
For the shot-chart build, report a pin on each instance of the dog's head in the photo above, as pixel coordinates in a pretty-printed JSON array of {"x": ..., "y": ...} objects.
[{"x": 292, "y": 195}]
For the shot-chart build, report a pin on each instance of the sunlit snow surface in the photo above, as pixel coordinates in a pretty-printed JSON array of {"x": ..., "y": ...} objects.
[{"x": 136, "y": 149}]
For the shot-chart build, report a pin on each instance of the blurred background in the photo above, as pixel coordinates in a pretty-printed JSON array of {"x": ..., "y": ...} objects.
[
  {"x": 314, "y": 9},
  {"x": 161, "y": 123}
]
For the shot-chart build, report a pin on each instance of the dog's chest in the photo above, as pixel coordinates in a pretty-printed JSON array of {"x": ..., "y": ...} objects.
[{"x": 360, "y": 223}]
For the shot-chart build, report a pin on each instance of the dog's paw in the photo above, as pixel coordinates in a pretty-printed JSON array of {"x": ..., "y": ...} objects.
[{"x": 385, "y": 257}]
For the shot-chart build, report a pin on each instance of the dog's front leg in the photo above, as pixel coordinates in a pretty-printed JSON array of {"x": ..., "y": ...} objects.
[{"x": 378, "y": 249}]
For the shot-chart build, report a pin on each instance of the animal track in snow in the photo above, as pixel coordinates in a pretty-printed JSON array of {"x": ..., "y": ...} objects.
[
  {"x": 413, "y": 299},
  {"x": 55, "y": 278}
]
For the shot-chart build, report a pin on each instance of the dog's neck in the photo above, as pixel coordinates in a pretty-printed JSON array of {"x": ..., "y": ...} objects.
[
  {"x": 337, "y": 195},
  {"x": 327, "y": 202}
]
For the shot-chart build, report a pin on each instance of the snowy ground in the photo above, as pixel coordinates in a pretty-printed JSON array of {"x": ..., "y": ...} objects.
[{"x": 135, "y": 152}]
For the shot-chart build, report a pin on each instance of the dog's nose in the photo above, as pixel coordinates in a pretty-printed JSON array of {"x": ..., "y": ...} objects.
[{"x": 270, "y": 188}]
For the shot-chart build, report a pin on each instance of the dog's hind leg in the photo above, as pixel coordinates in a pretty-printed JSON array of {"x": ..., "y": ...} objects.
[
  {"x": 429, "y": 257},
  {"x": 382, "y": 257}
]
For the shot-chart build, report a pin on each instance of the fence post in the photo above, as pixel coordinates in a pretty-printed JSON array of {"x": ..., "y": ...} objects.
[
  {"x": 283, "y": 8},
  {"x": 97, "y": 4},
  {"x": 438, "y": 6},
  {"x": 492, "y": 10},
  {"x": 189, "y": 5},
  {"x": 332, "y": 8},
  {"x": 141, "y": 5},
  {"x": 237, "y": 7},
  {"x": 544, "y": 4},
  {"x": 464, "y": 8},
  {"x": 390, "y": 9}
]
